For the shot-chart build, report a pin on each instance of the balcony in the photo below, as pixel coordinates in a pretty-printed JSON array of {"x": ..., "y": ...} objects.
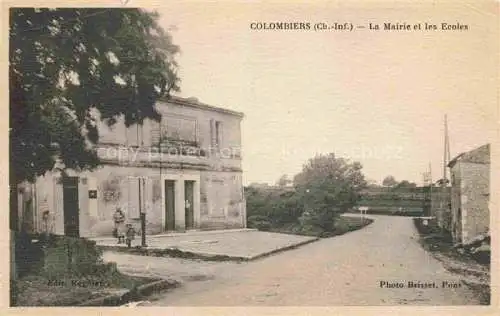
[
  {"x": 180, "y": 147},
  {"x": 168, "y": 154}
]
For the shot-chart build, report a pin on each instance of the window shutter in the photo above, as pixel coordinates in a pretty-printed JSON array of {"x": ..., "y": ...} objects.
[
  {"x": 145, "y": 200},
  {"x": 129, "y": 198},
  {"x": 155, "y": 133},
  {"x": 140, "y": 135},
  {"x": 133, "y": 198},
  {"x": 221, "y": 132},
  {"x": 213, "y": 140},
  {"x": 132, "y": 133},
  {"x": 155, "y": 190},
  {"x": 148, "y": 195}
]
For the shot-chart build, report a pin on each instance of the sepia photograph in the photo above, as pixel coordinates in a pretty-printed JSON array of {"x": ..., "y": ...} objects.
[{"x": 252, "y": 154}]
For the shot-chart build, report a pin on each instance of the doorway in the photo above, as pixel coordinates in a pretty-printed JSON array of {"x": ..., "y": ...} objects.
[
  {"x": 169, "y": 205},
  {"x": 189, "y": 203},
  {"x": 71, "y": 207}
]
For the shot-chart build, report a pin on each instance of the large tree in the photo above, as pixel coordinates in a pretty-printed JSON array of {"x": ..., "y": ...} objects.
[
  {"x": 389, "y": 181},
  {"x": 405, "y": 184},
  {"x": 65, "y": 65},
  {"x": 329, "y": 186},
  {"x": 283, "y": 181}
]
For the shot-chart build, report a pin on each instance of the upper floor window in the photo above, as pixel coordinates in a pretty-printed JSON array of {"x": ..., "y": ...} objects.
[
  {"x": 179, "y": 128},
  {"x": 173, "y": 128},
  {"x": 134, "y": 135},
  {"x": 216, "y": 133}
]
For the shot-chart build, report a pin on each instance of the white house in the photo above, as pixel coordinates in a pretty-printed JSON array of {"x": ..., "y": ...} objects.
[{"x": 184, "y": 173}]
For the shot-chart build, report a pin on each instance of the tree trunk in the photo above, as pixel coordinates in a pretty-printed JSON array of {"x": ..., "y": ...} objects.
[
  {"x": 13, "y": 269},
  {"x": 13, "y": 202}
]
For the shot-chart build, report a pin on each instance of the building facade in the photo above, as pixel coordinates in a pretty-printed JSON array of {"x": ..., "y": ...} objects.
[
  {"x": 184, "y": 172},
  {"x": 441, "y": 206},
  {"x": 470, "y": 190}
]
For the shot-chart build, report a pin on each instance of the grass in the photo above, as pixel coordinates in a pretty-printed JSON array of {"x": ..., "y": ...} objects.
[
  {"x": 65, "y": 271},
  {"x": 440, "y": 244},
  {"x": 394, "y": 211},
  {"x": 433, "y": 239},
  {"x": 344, "y": 224},
  {"x": 38, "y": 290},
  {"x": 347, "y": 224},
  {"x": 173, "y": 253}
]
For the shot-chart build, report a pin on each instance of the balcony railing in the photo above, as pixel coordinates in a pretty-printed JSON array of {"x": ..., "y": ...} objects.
[{"x": 180, "y": 147}]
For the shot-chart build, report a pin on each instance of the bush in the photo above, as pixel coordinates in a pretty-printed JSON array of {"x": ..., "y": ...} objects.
[
  {"x": 395, "y": 211},
  {"x": 29, "y": 255},
  {"x": 342, "y": 225},
  {"x": 260, "y": 222},
  {"x": 323, "y": 219},
  {"x": 425, "y": 229},
  {"x": 272, "y": 207},
  {"x": 68, "y": 255},
  {"x": 346, "y": 224},
  {"x": 55, "y": 256},
  {"x": 482, "y": 254}
]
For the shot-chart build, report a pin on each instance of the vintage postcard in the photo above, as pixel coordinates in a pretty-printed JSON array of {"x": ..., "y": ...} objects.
[{"x": 281, "y": 154}]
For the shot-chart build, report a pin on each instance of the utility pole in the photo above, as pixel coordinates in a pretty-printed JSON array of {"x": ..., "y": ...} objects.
[
  {"x": 431, "y": 184},
  {"x": 427, "y": 191},
  {"x": 431, "y": 181},
  {"x": 446, "y": 150}
]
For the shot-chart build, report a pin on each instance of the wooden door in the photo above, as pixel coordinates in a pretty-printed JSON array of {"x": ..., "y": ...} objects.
[
  {"x": 71, "y": 207},
  {"x": 189, "y": 203},
  {"x": 169, "y": 205}
]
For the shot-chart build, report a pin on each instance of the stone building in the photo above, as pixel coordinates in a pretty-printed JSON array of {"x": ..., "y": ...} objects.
[
  {"x": 441, "y": 206},
  {"x": 183, "y": 172},
  {"x": 470, "y": 190}
]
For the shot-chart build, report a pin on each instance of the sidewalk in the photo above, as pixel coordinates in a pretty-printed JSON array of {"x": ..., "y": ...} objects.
[{"x": 239, "y": 245}]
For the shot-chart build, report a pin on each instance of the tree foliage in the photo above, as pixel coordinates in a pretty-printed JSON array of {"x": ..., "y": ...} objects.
[
  {"x": 66, "y": 65},
  {"x": 283, "y": 181},
  {"x": 275, "y": 205},
  {"x": 405, "y": 184},
  {"x": 330, "y": 186},
  {"x": 389, "y": 181}
]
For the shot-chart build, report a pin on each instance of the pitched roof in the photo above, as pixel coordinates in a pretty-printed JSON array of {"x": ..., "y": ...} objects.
[{"x": 479, "y": 155}]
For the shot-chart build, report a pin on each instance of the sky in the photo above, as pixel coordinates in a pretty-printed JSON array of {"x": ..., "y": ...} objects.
[{"x": 377, "y": 97}]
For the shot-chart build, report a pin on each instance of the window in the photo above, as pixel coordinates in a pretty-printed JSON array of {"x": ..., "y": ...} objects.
[
  {"x": 132, "y": 205},
  {"x": 216, "y": 133},
  {"x": 134, "y": 135},
  {"x": 155, "y": 133},
  {"x": 218, "y": 130},
  {"x": 178, "y": 128},
  {"x": 173, "y": 128},
  {"x": 137, "y": 196}
]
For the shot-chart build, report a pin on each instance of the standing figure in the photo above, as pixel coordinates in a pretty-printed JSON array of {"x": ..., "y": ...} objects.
[
  {"x": 130, "y": 235},
  {"x": 119, "y": 219}
]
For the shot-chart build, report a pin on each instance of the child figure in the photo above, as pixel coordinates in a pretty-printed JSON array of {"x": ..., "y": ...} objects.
[{"x": 130, "y": 235}]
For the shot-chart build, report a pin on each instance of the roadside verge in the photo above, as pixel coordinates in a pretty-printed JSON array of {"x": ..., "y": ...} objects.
[
  {"x": 134, "y": 294},
  {"x": 472, "y": 274}
]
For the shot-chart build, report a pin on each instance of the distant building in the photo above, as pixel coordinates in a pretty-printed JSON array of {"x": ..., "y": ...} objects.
[
  {"x": 470, "y": 190},
  {"x": 184, "y": 172}
]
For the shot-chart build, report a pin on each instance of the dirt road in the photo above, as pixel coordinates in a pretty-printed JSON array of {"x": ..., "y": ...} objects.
[{"x": 373, "y": 266}]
